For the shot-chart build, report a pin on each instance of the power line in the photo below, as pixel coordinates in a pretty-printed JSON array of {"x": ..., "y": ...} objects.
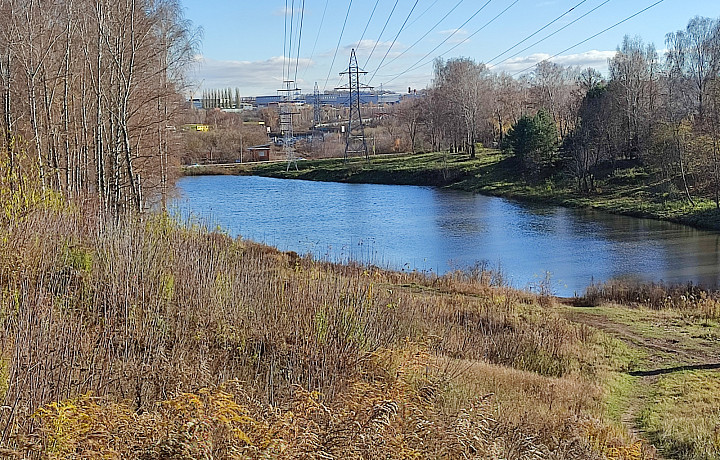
[
  {"x": 394, "y": 40},
  {"x": 302, "y": 17},
  {"x": 359, "y": 43},
  {"x": 292, "y": 20},
  {"x": 317, "y": 37},
  {"x": 382, "y": 32},
  {"x": 480, "y": 29},
  {"x": 342, "y": 32},
  {"x": 462, "y": 42},
  {"x": 553, "y": 33},
  {"x": 446, "y": 39},
  {"x": 538, "y": 31},
  {"x": 285, "y": 41},
  {"x": 426, "y": 33},
  {"x": 423, "y": 13},
  {"x": 593, "y": 36}
]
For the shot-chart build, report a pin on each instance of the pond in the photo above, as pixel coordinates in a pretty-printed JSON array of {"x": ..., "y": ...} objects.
[{"x": 437, "y": 230}]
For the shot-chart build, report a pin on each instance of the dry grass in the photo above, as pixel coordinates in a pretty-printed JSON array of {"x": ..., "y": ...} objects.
[
  {"x": 146, "y": 338},
  {"x": 688, "y": 298}
]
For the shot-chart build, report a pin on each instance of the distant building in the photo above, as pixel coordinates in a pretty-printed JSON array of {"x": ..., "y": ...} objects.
[
  {"x": 202, "y": 128},
  {"x": 334, "y": 99},
  {"x": 328, "y": 98},
  {"x": 259, "y": 153},
  {"x": 267, "y": 101}
]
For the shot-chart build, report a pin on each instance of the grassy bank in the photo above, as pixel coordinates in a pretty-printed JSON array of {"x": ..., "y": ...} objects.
[
  {"x": 627, "y": 191},
  {"x": 149, "y": 338}
]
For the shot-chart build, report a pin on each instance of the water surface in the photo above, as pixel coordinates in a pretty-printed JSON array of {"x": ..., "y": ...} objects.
[{"x": 430, "y": 229}]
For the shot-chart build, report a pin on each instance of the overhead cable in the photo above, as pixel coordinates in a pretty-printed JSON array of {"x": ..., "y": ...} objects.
[
  {"x": 461, "y": 42},
  {"x": 342, "y": 32},
  {"x": 592, "y": 36},
  {"x": 538, "y": 31},
  {"x": 285, "y": 41},
  {"x": 290, "y": 42},
  {"x": 395, "y": 39},
  {"x": 446, "y": 38},
  {"x": 552, "y": 33},
  {"x": 381, "y": 33},
  {"x": 425, "y": 35},
  {"x": 297, "y": 59},
  {"x": 359, "y": 43},
  {"x": 317, "y": 37}
]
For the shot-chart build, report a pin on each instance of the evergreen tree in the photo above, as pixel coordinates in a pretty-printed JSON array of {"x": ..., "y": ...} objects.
[{"x": 534, "y": 140}]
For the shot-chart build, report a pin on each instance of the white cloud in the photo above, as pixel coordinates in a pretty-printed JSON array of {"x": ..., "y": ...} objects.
[
  {"x": 365, "y": 46},
  {"x": 252, "y": 77},
  {"x": 593, "y": 58},
  {"x": 455, "y": 36},
  {"x": 363, "y": 49},
  {"x": 453, "y": 31}
]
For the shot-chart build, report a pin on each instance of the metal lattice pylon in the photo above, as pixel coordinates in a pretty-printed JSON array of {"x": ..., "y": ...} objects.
[
  {"x": 317, "y": 114},
  {"x": 355, "y": 135},
  {"x": 287, "y": 112}
]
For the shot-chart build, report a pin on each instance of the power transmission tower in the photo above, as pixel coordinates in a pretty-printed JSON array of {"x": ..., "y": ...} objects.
[
  {"x": 355, "y": 135},
  {"x": 287, "y": 111},
  {"x": 317, "y": 113}
]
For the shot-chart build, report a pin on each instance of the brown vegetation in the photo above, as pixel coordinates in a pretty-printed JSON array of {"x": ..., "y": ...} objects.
[
  {"x": 148, "y": 339},
  {"x": 688, "y": 298},
  {"x": 91, "y": 90}
]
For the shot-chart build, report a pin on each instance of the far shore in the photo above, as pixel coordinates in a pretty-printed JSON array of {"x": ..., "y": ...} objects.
[{"x": 491, "y": 173}]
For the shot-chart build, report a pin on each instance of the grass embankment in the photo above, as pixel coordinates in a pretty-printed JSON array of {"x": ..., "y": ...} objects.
[
  {"x": 627, "y": 191},
  {"x": 670, "y": 390},
  {"x": 150, "y": 339}
]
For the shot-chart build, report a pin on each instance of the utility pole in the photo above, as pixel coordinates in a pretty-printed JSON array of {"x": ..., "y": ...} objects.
[
  {"x": 355, "y": 142},
  {"x": 287, "y": 111}
]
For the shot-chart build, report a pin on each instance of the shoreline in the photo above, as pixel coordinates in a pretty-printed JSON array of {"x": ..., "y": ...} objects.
[{"x": 492, "y": 174}]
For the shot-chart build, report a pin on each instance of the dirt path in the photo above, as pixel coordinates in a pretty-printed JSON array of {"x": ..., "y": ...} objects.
[
  {"x": 673, "y": 350},
  {"x": 667, "y": 350}
]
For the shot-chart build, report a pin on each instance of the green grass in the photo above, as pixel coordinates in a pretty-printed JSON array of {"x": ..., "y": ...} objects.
[
  {"x": 620, "y": 389},
  {"x": 669, "y": 329},
  {"x": 655, "y": 375},
  {"x": 683, "y": 415},
  {"x": 630, "y": 191}
]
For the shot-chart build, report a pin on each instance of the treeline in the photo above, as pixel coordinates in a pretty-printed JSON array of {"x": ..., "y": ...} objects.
[
  {"x": 225, "y": 98},
  {"x": 90, "y": 95},
  {"x": 660, "y": 112}
]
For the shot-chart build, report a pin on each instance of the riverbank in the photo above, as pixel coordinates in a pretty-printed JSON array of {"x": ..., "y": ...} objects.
[
  {"x": 626, "y": 192},
  {"x": 151, "y": 337}
]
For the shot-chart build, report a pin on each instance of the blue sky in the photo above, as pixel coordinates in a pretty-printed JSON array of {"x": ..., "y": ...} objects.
[{"x": 244, "y": 42}]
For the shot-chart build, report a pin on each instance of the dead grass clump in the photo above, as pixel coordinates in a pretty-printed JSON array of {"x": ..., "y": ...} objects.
[
  {"x": 687, "y": 298},
  {"x": 380, "y": 416},
  {"x": 142, "y": 313},
  {"x": 396, "y": 409}
]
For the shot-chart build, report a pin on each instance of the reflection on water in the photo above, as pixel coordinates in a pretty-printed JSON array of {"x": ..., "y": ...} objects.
[{"x": 423, "y": 228}]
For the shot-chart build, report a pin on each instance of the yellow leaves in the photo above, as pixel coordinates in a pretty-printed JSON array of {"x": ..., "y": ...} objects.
[
  {"x": 631, "y": 452},
  {"x": 185, "y": 402},
  {"x": 167, "y": 287},
  {"x": 223, "y": 289},
  {"x": 81, "y": 425},
  {"x": 612, "y": 443},
  {"x": 191, "y": 425}
]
